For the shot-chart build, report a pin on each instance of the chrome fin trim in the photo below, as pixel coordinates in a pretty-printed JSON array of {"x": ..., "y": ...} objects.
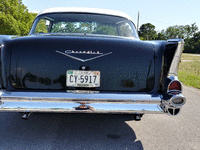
[{"x": 173, "y": 70}]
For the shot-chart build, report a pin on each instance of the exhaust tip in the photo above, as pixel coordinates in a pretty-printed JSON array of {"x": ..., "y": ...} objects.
[{"x": 173, "y": 111}]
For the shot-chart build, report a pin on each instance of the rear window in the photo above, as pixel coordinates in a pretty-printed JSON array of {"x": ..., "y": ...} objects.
[{"x": 92, "y": 24}]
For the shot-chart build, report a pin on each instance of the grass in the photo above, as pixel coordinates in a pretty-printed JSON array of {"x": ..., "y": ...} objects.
[
  {"x": 186, "y": 56},
  {"x": 189, "y": 71}
]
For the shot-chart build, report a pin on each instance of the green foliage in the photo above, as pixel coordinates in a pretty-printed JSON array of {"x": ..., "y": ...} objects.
[
  {"x": 83, "y": 27},
  {"x": 141, "y": 38},
  {"x": 41, "y": 27},
  {"x": 174, "y": 32},
  {"x": 106, "y": 30},
  {"x": 15, "y": 18},
  {"x": 161, "y": 36},
  {"x": 147, "y": 32},
  {"x": 192, "y": 45},
  {"x": 181, "y": 31},
  {"x": 187, "y": 32},
  {"x": 71, "y": 27},
  {"x": 8, "y": 25},
  {"x": 125, "y": 30}
]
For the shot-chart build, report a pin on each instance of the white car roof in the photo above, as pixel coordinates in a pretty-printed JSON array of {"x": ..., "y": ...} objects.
[{"x": 85, "y": 10}]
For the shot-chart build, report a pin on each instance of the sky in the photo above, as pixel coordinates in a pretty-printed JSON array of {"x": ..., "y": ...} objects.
[{"x": 160, "y": 13}]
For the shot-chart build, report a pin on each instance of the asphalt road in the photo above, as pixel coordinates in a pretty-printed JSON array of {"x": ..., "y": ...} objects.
[{"x": 90, "y": 131}]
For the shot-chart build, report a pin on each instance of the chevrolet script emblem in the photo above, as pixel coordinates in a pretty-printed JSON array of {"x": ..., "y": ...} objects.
[{"x": 71, "y": 53}]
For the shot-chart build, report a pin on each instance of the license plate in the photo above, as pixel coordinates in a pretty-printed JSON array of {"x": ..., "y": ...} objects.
[{"x": 79, "y": 78}]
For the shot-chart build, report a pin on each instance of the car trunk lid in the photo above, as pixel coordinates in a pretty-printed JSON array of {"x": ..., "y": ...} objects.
[{"x": 42, "y": 62}]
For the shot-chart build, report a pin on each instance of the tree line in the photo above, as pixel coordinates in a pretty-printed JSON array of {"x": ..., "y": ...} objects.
[
  {"x": 16, "y": 20},
  {"x": 189, "y": 33}
]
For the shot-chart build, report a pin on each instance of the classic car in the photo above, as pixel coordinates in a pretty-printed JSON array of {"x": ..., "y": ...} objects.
[{"x": 84, "y": 60}]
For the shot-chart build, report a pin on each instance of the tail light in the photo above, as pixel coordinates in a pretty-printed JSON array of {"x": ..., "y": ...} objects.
[{"x": 174, "y": 87}]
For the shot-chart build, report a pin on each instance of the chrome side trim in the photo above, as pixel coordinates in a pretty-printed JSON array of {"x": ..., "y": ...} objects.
[{"x": 173, "y": 71}]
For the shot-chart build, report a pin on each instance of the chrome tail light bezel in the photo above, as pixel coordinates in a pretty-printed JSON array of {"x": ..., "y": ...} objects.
[{"x": 174, "y": 92}]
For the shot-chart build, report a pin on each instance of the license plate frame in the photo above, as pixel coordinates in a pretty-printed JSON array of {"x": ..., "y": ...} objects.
[{"x": 82, "y": 78}]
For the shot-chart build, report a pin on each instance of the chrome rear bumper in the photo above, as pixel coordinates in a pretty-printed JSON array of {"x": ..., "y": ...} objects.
[
  {"x": 69, "y": 107},
  {"x": 80, "y": 103}
]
